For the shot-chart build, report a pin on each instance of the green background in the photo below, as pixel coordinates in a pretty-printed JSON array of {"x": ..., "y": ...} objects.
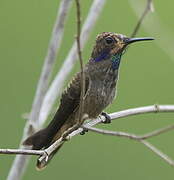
[{"x": 146, "y": 77}]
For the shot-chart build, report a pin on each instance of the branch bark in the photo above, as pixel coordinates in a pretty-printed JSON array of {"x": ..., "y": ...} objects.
[
  {"x": 125, "y": 113},
  {"x": 116, "y": 115},
  {"x": 129, "y": 135},
  {"x": 22, "y": 151}
]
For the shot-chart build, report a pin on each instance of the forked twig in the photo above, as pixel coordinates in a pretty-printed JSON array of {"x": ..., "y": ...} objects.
[
  {"x": 139, "y": 139},
  {"x": 154, "y": 25},
  {"x": 135, "y": 111}
]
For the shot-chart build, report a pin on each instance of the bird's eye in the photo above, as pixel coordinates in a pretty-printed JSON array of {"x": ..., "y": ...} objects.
[{"x": 109, "y": 40}]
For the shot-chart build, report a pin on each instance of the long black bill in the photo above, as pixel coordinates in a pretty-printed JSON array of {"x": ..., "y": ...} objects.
[{"x": 132, "y": 40}]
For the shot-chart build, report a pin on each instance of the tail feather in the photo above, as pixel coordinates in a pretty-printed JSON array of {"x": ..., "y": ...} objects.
[
  {"x": 38, "y": 140},
  {"x": 44, "y": 138}
]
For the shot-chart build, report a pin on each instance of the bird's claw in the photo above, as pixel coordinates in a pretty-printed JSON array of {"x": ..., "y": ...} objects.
[
  {"x": 107, "y": 118},
  {"x": 84, "y": 131}
]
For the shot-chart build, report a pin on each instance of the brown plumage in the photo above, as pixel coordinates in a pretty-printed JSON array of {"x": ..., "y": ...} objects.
[{"x": 101, "y": 75}]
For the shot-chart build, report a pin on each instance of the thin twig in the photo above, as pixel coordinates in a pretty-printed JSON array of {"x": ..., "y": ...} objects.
[
  {"x": 156, "y": 27},
  {"x": 157, "y": 132},
  {"x": 19, "y": 163},
  {"x": 147, "y": 9},
  {"x": 112, "y": 133},
  {"x": 81, "y": 62},
  {"x": 70, "y": 60},
  {"x": 22, "y": 151},
  {"x": 130, "y": 135},
  {"x": 139, "y": 139},
  {"x": 158, "y": 152}
]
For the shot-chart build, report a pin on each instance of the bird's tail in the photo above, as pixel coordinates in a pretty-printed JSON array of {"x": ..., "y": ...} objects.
[{"x": 41, "y": 140}]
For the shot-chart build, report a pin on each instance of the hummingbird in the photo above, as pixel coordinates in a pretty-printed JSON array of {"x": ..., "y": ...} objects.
[{"x": 101, "y": 78}]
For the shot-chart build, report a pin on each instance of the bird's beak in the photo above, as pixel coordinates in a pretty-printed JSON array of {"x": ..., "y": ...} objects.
[{"x": 132, "y": 40}]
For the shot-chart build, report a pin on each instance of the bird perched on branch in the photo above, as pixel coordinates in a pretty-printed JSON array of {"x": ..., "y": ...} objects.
[{"x": 101, "y": 77}]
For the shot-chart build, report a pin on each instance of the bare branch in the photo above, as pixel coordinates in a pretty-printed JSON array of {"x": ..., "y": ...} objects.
[
  {"x": 158, "y": 152},
  {"x": 157, "y": 132},
  {"x": 139, "y": 139},
  {"x": 154, "y": 25},
  {"x": 22, "y": 151},
  {"x": 50, "y": 58},
  {"x": 68, "y": 64},
  {"x": 148, "y": 8},
  {"x": 44, "y": 154},
  {"x": 112, "y": 133},
  {"x": 33, "y": 123},
  {"x": 129, "y": 135},
  {"x": 124, "y": 113},
  {"x": 142, "y": 110},
  {"x": 80, "y": 121}
]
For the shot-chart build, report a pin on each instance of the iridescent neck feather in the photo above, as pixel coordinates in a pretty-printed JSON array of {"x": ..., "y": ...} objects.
[{"x": 105, "y": 56}]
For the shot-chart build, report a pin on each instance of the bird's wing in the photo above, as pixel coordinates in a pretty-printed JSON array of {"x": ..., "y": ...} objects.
[{"x": 69, "y": 102}]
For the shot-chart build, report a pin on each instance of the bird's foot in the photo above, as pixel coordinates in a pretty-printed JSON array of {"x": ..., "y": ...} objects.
[
  {"x": 107, "y": 118},
  {"x": 84, "y": 131}
]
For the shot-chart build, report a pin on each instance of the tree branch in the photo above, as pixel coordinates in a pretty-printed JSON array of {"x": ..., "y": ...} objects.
[
  {"x": 142, "y": 110},
  {"x": 44, "y": 154},
  {"x": 19, "y": 163},
  {"x": 129, "y": 135},
  {"x": 139, "y": 139},
  {"x": 22, "y": 151},
  {"x": 154, "y": 25},
  {"x": 116, "y": 115},
  {"x": 158, "y": 152},
  {"x": 82, "y": 93}
]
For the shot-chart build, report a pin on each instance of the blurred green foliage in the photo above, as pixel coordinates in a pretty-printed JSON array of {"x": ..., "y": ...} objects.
[{"x": 146, "y": 77}]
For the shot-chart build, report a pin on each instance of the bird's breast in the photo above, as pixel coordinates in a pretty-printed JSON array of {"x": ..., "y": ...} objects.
[{"x": 102, "y": 89}]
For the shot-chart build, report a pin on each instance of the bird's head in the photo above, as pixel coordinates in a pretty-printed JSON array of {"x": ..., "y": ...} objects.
[{"x": 110, "y": 46}]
